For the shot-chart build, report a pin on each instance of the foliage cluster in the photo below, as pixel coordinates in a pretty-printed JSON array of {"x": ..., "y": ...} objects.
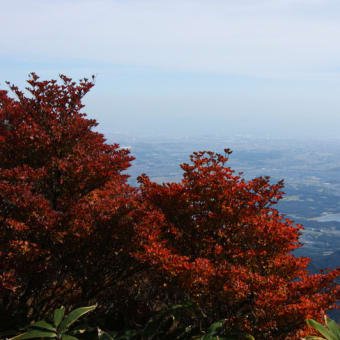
[
  {"x": 164, "y": 325},
  {"x": 72, "y": 230}
]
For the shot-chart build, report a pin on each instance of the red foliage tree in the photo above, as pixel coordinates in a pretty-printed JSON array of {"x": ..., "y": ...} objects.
[
  {"x": 64, "y": 204},
  {"x": 72, "y": 231},
  {"x": 219, "y": 239}
]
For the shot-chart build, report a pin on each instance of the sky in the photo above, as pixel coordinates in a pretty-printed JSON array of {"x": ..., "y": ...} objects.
[{"x": 186, "y": 67}]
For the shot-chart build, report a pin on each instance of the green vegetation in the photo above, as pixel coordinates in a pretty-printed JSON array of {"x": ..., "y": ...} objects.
[
  {"x": 164, "y": 325},
  {"x": 331, "y": 330},
  {"x": 59, "y": 328}
]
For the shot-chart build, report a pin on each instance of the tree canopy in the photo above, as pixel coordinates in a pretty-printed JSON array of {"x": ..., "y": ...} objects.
[{"x": 73, "y": 231}]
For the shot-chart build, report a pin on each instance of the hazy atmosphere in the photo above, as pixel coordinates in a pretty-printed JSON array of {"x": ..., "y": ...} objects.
[{"x": 180, "y": 67}]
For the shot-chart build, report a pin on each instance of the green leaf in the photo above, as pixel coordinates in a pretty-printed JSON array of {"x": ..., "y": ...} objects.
[
  {"x": 44, "y": 325},
  {"x": 185, "y": 305},
  {"x": 74, "y": 316},
  {"x": 215, "y": 326},
  {"x": 312, "y": 337},
  {"x": 322, "y": 329},
  {"x": 333, "y": 327},
  {"x": 248, "y": 337},
  {"x": 210, "y": 337},
  {"x": 68, "y": 337},
  {"x": 58, "y": 316},
  {"x": 34, "y": 334}
]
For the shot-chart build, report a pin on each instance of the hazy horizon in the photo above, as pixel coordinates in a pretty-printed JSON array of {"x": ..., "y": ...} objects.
[{"x": 184, "y": 67}]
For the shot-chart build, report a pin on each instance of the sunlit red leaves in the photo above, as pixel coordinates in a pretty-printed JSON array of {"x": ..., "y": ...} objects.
[
  {"x": 64, "y": 204},
  {"x": 72, "y": 228},
  {"x": 220, "y": 239}
]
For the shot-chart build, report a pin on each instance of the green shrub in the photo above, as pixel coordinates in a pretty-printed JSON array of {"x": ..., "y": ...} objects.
[
  {"x": 171, "y": 324},
  {"x": 59, "y": 328},
  {"x": 331, "y": 330}
]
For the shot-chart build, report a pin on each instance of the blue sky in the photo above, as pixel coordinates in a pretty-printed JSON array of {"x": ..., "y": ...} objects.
[{"x": 186, "y": 67}]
